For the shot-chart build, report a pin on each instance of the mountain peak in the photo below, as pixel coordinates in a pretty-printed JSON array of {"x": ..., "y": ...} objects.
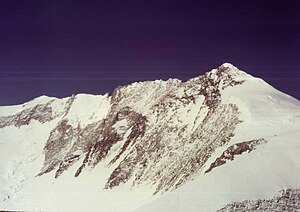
[
  {"x": 229, "y": 70},
  {"x": 227, "y": 65},
  {"x": 226, "y": 72}
]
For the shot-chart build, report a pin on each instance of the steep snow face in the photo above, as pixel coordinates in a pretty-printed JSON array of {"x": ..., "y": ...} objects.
[{"x": 147, "y": 139}]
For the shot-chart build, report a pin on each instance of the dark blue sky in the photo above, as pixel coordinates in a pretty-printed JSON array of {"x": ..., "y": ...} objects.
[{"x": 58, "y": 48}]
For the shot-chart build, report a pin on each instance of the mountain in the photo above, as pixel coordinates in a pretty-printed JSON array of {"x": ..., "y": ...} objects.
[{"x": 221, "y": 141}]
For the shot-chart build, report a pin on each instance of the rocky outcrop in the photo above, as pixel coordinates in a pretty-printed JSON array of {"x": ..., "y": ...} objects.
[
  {"x": 174, "y": 161},
  {"x": 57, "y": 145},
  {"x": 288, "y": 200},
  {"x": 41, "y": 113},
  {"x": 237, "y": 149},
  {"x": 112, "y": 133}
]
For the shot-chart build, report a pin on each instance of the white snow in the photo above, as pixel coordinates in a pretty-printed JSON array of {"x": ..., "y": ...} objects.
[
  {"x": 228, "y": 65},
  {"x": 87, "y": 109},
  {"x": 121, "y": 126}
]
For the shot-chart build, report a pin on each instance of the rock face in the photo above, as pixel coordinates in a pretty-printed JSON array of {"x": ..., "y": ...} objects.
[
  {"x": 288, "y": 200},
  {"x": 231, "y": 152},
  {"x": 40, "y": 112}
]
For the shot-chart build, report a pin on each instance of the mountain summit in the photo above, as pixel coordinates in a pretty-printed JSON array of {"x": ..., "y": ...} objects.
[{"x": 198, "y": 145}]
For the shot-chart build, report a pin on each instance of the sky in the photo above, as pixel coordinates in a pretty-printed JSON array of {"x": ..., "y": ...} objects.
[{"x": 60, "y": 48}]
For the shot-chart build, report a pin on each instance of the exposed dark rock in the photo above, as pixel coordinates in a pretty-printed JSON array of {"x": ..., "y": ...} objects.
[
  {"x": 110, "y": 136},
  {"x": 40, "y": 112},
  {"x": 57, "y": 146},
  {"x": 288, "y": 200},
  {"x": 66, "y": 163},
  {"x": 234, "y": 150},
  {"x": 69, "y": 104}
]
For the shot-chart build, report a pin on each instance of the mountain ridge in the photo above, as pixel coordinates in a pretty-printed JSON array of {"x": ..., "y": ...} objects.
[{"x": 157, "y": 135}]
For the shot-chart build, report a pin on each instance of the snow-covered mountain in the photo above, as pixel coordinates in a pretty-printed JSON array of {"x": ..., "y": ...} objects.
[{"x": 222, "y": 141}]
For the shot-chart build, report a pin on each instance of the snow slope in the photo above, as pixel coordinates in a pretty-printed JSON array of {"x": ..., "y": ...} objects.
[{"x": 158, "y": 145}]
